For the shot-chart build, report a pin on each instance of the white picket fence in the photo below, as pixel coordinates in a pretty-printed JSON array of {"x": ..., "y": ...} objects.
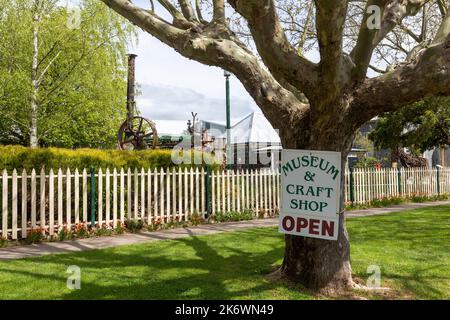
[
  {"x": 371, "y": 184},
  {"x": 55, "y": 200}
]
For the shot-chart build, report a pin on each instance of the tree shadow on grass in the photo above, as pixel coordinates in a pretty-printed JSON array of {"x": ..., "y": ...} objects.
[{"x": 195, "y": 270}]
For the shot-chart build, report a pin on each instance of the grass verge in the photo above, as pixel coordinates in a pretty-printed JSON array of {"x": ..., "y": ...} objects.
[{"x": 411, "y": 248}]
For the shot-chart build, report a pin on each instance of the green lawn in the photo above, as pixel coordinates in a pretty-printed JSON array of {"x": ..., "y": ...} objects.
[{"x": 412, "y": 248}]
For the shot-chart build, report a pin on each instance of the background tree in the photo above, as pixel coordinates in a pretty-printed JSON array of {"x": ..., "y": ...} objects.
[
  {"x": 61, "y": 83},
  {"x": 421, "y": 126},
  {"x": 315, "y": 103}
]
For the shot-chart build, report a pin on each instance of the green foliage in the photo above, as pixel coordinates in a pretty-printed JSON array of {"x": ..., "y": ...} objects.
[
  {"x": 81, "y": 95},
  {"x": 53, "y": 158},
  {"x": 196, "y": 219},
  {"x": 35, "y": 235},
  {"x": 103, "y": 231},
  {"x": 119, "y": 229},
  {"x": 65, "y": 234},
  {"x": 387, "y": 202},
  {"x": 81, "y": 231},
  {"x": 133, "y": 225},
  {"x": 367, "y": 162},
  {"x": 420, "y": 126},
  {"x": 363, "y": 142},
  {"x": 234, "y": 216}
]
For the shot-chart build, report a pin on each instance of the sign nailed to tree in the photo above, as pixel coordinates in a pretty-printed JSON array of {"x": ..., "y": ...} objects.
[{"x": 310, "y": 182}]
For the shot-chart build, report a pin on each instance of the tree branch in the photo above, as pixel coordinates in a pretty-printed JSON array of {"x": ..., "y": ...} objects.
[
  {"x": 177, "y": 15},
  {"x": 219, "y": 11},
  {"x": 198, "y": 9},
  {"x": 41, "y": 77},
  {"x": 227, "y": 53},
  {"x": 393, "y": 12},
  {"x": 428, "y": 75},
  {"x": 443, "y": 31},
  {"x": 330, "y": 21},
  {"x": 188, "y": 11},
  {"x": 282, "y": 59}
]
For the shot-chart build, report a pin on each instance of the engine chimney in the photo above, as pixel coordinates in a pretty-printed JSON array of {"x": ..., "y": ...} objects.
[{"x": 131, "y": 84}]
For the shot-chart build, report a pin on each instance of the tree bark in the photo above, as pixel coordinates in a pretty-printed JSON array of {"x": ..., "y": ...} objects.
[
  {"x": 318, "y": 264},
  {"x": 34, "y": 79}
]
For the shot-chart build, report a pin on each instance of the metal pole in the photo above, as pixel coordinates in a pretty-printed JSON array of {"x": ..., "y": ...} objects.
[
  {"x": 228, "y": 115},
  {"x": 352, "y": 187}
]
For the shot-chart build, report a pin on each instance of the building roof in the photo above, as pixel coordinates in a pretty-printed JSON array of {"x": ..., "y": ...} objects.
[
  {"x": 170, "y": 127},
  {"x": 254, "y": 128}
]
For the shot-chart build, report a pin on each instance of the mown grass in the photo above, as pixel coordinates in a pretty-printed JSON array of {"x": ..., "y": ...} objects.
[{"x": 411, "y": 248}]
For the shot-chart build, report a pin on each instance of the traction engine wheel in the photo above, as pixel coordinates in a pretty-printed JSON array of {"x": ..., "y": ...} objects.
[{"x": 137, "y": 134}]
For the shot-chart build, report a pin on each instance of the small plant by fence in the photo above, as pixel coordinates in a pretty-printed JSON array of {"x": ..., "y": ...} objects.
[{"x": 55, "y": 201}]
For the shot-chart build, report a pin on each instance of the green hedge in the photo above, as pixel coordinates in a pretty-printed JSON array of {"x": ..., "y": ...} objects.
[{"x": 18, "y": 157}]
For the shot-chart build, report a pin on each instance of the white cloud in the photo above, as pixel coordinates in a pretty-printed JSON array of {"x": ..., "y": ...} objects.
[{"x": 159, "y": 101}]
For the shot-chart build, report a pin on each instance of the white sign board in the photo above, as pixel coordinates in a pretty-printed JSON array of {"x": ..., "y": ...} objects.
[{"x": 310, "y": 193}]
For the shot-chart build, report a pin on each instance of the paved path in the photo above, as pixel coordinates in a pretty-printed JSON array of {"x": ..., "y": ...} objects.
[{"x": 46, "y": 248}]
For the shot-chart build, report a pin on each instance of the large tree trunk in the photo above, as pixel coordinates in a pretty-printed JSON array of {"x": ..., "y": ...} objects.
[{"x": 321, "y": 264}]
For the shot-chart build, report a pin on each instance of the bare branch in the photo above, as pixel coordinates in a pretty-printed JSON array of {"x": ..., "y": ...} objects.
[
  {"x": 393, "y": 12},
  {"x": 428, "y": 75},
  {"x": 282, "y": 59},
  {"x": 443, "y": 31},
  {"x": 198, "y": 9},
  {"x": 188, "y": 11},
  {"x": 330, "y": 21},
  {"x": 219, "y": 11},
  {"x": 177, "y": 15},
  {"x": 227, "y": 53}
]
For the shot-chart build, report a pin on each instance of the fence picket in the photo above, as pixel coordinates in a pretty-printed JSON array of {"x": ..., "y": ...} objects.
[
  {"x": 77, "y": 196},
  {"x": 122, "y": 196},
  {"x": 136, "y": 194},
  {"x": 14, "y": 206},
  {"x": 42, "y": 199},
  {"x": 33, "y": 198},
  {"x": 143, "y": 194},
  {"x": 171, "y": 193},
  {"x": 100, "y": 197},
  {"x": 60, "y": 199},
  {"x": 149, "y": 196},
  {"x": 115, "y": 198},
  {"x": 51, "y": 203},
  {"x": 85, "y": 198},
  {"x": 68, "y": 199},
  {"x": 5, "y": 204},
  {"x": 24, "y": 204},
  {"x": 107, "y": 196}
]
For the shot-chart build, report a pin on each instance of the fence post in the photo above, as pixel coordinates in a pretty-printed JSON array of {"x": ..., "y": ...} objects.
[
  {"x": 208, "y": 190},
  {"x": 438, "y": 180},
  {"x": 92, "y": 198},
  {"x": 399, "y": 182},
  {"x": 352, "y": 187}
]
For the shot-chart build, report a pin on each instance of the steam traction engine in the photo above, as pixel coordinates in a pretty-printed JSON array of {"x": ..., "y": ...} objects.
[
  {"x": 139, "y": 133},
  {"x": 136, "y": 133}
]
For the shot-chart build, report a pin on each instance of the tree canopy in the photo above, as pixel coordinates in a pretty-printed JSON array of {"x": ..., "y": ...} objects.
[
  {"x": 80, "y": 72},
  {"x": 421, "y": 126}
]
